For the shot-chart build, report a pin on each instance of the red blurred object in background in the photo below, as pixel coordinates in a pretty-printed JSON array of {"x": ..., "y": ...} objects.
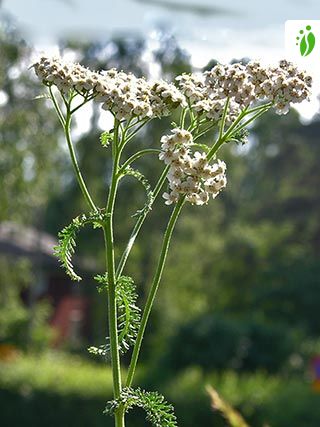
[
  {"x": 69, "y": 319},
  {"x": 315, "y": 365}
]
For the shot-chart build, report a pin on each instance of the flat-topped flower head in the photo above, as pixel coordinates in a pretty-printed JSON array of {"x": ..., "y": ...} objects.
[
  {"x": 164, "y": 98},
  {"x": 192, "y": 86},
  {"x": 123, "y": 94},
  {"x": 66, "y": 75},
  {"x": 244, "y": 85},
  {"x": 128, "y": 96}
]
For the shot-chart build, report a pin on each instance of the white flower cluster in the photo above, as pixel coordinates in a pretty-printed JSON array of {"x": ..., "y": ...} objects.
[
  {"x": 192, "y": 86},
  {"x": 127, "y": 96},
  {"x": 165, "y": 97},
  {"x": 203, "y": 102},
  {"x": 66, "y": 75},
  {"x": 190, "y": 174},
  {"x": 124, "y": 94},
  {"x": 244, "y": 84}
]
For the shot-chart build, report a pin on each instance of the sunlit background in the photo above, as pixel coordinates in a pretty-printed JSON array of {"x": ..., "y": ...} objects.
[{"x": 240, "y": 300}]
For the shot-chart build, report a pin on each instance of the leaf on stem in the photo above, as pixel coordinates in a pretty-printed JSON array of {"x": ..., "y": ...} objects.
[
  {"x": 128, "y": 314},
  {"x": 105, "y": 138},
  {"x": 240, "y": 136},
  {"x": 67, "y": 240},
  {"x": 143, "y": 180},
  {"x": 42, "y": 96},
  {"x": 158, "y": 411}
]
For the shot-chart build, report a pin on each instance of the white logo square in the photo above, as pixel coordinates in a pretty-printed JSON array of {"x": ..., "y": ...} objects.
[{"x": 302, "y": 43}]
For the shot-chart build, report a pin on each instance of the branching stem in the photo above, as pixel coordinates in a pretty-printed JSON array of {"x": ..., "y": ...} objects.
[
  {"x": 138, "y": 224},
  {"x": 137, "y": 155}
]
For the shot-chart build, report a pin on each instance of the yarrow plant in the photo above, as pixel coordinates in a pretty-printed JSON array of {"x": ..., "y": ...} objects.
[{"x": 220, "y": 103}]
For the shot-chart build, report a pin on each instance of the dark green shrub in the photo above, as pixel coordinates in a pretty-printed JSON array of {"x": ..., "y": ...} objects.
[
  {"x": 214, "y": 342},
  {"x": 294, "y": 405}
]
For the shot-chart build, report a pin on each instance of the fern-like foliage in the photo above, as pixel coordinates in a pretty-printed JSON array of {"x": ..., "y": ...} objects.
[
  {"x": 105, "y": 139},
  {"x": 159, "y": 412},
  {"x": 143, "y": 180},
  {"x": 128, "y": 314},
  {"x": 102, "y": 351},
  {"x": 241, "y": 136},
  {"x": 67, "y": 240}
]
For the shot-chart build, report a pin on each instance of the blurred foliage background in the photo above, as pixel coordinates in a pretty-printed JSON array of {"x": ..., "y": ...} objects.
[{"x": 240, "y": 299}]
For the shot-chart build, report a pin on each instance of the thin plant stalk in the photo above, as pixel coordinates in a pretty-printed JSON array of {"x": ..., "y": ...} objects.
[
  {"x": 66, "y": 124},
  {"x": 110, "y": 264},
  {"x": 138, "y": 224},
  {"x": 76, "y": 168},
  {"x": 153, "y": 290}
]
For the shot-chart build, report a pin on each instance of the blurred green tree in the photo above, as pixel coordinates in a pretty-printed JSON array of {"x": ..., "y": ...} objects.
[{"x": 32, "y": 164}]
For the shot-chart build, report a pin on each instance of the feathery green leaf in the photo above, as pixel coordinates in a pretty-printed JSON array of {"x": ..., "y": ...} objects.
[
  {"x": 159, "y": 412},
  {"x": 105, "y": 138},
  {"x": 67, "y": 240},
  {"x": 143, "y": 180},
  {"x": 128, "y": 314}
]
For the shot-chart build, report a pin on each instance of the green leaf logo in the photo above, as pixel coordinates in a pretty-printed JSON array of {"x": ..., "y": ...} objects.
[{"x": 306, "y": 41}]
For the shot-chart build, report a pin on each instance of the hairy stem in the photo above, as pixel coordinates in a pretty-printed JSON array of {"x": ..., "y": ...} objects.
[{"x": 154, "y": 287}]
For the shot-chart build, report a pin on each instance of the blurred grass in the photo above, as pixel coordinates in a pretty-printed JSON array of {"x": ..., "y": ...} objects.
[
  {"x": 249, "y": 389},
  {"x": 59, "y": 388},
  {"x": 58, "y": 373}
]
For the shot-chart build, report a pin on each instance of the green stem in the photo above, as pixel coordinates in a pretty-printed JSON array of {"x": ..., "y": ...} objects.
[
  {"x": 236, "y": 127},
  {"x": 214, "y": 149},
  {"x": 203, "y": 132},
  {"x": 90, "y": 98},
  {"x": 251, "y": 119},
  {"x": 109, "y": 244},
  {"x": 183, "y": 117},
  {"x": 139, "y": 223},
  {"x": 259, "y": 107},
  {"x": 135, "y": 131},
  {"x": 57, "y": 108},
  {"x": 119, "y": 418},
  {"x": 224, "y": 116},
  {"x": 154, "y": 287},
  {"x": 76, "y": 168},
  {"x": 142, "y": 218},
  {"x": 112, "y": 304},
  {"x": 137, "y": 156}
]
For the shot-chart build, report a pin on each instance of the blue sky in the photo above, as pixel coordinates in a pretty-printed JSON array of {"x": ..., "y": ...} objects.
[{"x": 221, "y": 30}]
